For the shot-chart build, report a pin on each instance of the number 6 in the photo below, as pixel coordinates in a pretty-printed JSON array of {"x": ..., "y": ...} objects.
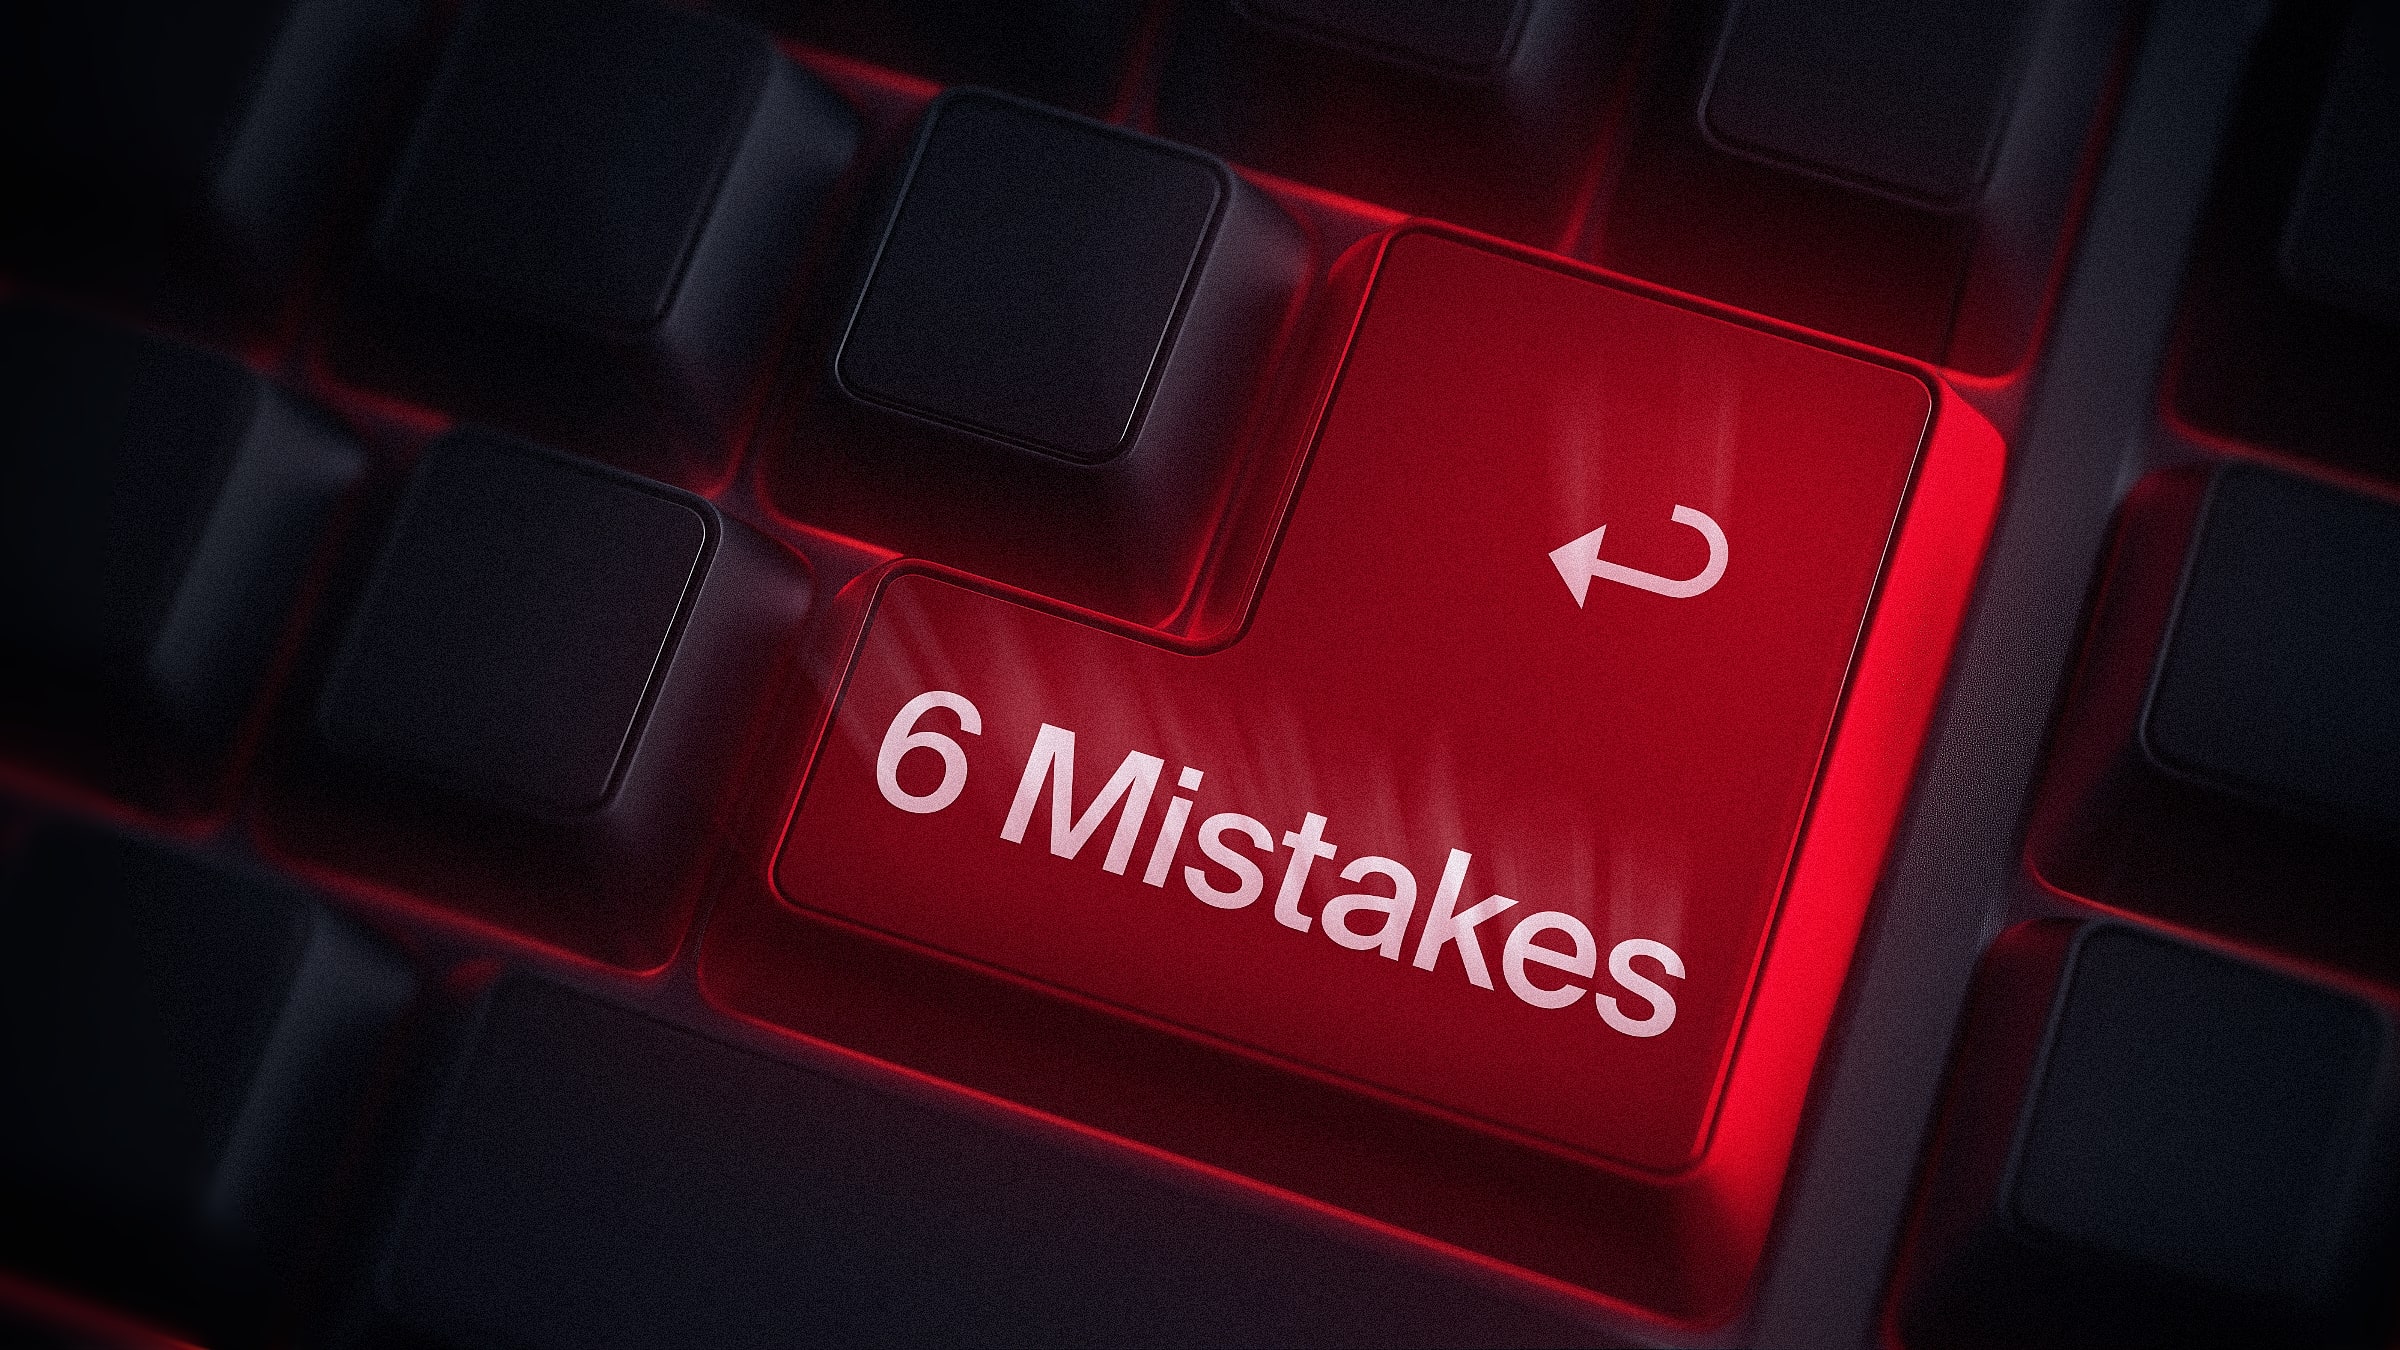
[{"x": 899, "y": 739}]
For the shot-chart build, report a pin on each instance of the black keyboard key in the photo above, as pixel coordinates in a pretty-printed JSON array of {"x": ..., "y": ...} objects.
[
  {"x": 2199, "y": 1155},
  {"x": 2282, "y": 669},
  {"x": 1036, "y": 317},
  {"x": 159, "y": 506},
  {"x": 2200, "y": 1117},
  {"x": 598, "y": 1179},
  {"x": 543, "y": 696},
  {"x": 1052, "y": 356},
  {"x": 1074, "y": 54},
  {"x": 1906, "y": 98},
  {"x": 2341, "y": 243},
  {"x": 2225, "y": 758},
  {"x": 1486, "y": 114},
  {"x": 183, "y": 1049},
  {"x": 1898, "y": 174},
  {"x": 146, "y": 134},
  {"x": 1474, "y": 38},
  {"x": 2289, "y": 328},
  {"x": 599, "y": 195},
  {"x": 520, "y": 613}
]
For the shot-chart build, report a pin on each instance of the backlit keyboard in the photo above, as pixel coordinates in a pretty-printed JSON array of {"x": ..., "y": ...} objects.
[{"x": 1223, "y": 672}]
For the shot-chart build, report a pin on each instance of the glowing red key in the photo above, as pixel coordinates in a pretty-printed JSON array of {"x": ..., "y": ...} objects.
[{"x": 1492, "y": 805}]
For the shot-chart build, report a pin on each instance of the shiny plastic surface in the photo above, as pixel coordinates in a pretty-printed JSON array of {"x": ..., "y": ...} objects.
[{"x": 1563, "y": 802}]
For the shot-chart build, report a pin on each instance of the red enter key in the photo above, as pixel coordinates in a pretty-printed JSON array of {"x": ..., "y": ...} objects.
[{"x": 1492, "y": 806}]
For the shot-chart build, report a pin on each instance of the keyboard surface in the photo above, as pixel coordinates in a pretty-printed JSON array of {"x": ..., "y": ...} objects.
[{"x": 1217, "y": 672}]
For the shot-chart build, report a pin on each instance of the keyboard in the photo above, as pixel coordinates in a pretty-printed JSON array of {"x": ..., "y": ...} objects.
[{"x": 1221, "y": 672}]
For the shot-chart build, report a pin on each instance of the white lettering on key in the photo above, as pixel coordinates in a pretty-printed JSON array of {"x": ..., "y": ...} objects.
[
  {"x": 1662, "y": 1003},
  {"x": 1307, "y": 845},
  {"x": 1359, "y": 921},
  {"x": 1053, "y": 758},
  {"x": 1522, "y": 948},
  {"x": 901, "y": 737},
  {"x": 1444, "y": 928},
  {"x": 1579, "y": 561},
  {"x": 1249, "y": 881}
]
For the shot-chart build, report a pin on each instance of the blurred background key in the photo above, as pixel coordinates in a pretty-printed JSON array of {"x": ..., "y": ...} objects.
[
  {"x": 1486, "y": 113},
  {"x": 595, "y": 226},
  {"x": 183, "y": 155},
  {"x": 2341, "y": 243},
  {"x": 183, "y": 1048},
  {"x": 597, "y": 1179},
  {"x": 1073, "y": 54},
  {"x": 159, "y": 509}
]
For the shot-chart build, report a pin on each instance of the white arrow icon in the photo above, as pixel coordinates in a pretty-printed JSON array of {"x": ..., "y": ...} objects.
[{"x": 1579, "y": 561}]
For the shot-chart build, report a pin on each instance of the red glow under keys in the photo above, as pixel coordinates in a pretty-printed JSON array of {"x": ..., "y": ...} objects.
[{"x": 1542, "y": 677}]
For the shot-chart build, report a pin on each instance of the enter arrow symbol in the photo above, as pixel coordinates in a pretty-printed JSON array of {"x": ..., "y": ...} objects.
[{"x": 1579, "y": 560}]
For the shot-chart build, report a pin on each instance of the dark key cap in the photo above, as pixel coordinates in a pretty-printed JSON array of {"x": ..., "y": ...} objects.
[
  {"x": 1901, "y": 174},
  {"x": 521, "y": 610},
  {"x": 137, "y": 131},
  {"x": 1899, "y": 95},
  {"x": 182, "y": 1049},
  {"x": 2341, "y": 243},
  {"x": 1472, "y": 39},
  {"x": 618, "y": 190},
  {"x": 2226, "y": 758},
  {"x": 547, "y": 679},
  {"x": 1070, "y": 53},
  {"x": 2288, "y": 330},
  {"x": 1484, "y": 113},
  {"x": 158, "y": 508},
  {"x": 1052, "y": 356},
  {"x": 2282, "y": 670},
  {"x": 2204, "y": 1158},
  {"x": 598, "y": 1179},
  {"x": 1035, "y": 316}
]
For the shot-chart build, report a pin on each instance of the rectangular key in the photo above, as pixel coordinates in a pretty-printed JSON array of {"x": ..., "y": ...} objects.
[
  {"x": 597, "y": 1179},
  {"x": 1490, "y": 807}
]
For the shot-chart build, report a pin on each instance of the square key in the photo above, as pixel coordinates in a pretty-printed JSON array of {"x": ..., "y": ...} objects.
[
  {"x": 569, "y": 156},
  {"x": 119, "y": 448},
  {"x": 2200, "y": 1118},
  {"x": 159, "y": 505},
  {"x": 1033, "y": 276},
  {"x": 523, "y": 608},
  {"x": 596, "y": 222},
  {"x": 2283, "y": 666},
  {"x": 183, "y": 1048},
  {"x": 1471, "y": 39},
  {"x": 182, "y": 158},
  {"x": 2341, "y": 242}
]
